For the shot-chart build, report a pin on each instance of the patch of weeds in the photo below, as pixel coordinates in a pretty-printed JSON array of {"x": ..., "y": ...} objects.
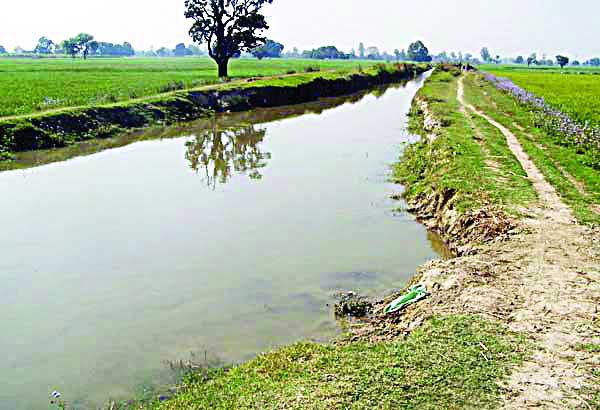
[
  {"x": 172, "y": 86},
  {"x": 590, "y": 348},
  {"x": 450, "y": 362},
  {"x": 312, "y": 69}
]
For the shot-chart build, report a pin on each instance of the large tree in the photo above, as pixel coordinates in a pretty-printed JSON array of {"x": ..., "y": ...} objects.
[
  {"x": 2, "y": 50},
  {"x": 418, "y": 52},
  {"x": 228, "y": 27}
]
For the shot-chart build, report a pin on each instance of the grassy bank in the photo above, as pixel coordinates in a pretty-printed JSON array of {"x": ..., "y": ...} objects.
[
  {"x": 37, "y": 85},
  {"x": 65, "y": 127},
  {"x": 450, "y": 362},
  {"x": 470, "y": 162},
  {"x": 202, "y": 126},
  {"x": 461, "y": 178},
  {"x": 468, "y": 158}
]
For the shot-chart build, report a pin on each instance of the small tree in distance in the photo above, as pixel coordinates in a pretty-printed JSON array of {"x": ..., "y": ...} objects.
[
  {"x": 485, "y": 55},
  {"x": 44, "y": 46},
  {"x": 271, "y": 49},
  {"x": 418, "y": 52},
  {"x": 562, "y": 61},
  {"x": 361, "y": 51},
  {"x": 228, "y": 27},
  {"x": 70, "y": 47},
  {"x": 181, "y": 50}
]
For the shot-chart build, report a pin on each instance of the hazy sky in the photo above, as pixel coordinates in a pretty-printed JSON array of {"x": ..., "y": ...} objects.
[{"x": 507, "y": 27}]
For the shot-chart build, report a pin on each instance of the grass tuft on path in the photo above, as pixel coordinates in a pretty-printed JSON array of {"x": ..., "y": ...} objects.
[{"x": 450, "y": 362}]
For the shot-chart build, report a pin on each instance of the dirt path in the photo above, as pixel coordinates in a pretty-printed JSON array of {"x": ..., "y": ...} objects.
[
  {"x": 555, "y": 209},
  {"x": 544, "y": 283},
  {"x": 558, "y": 289}
]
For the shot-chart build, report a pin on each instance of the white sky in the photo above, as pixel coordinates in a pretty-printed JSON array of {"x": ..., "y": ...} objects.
[{"x": 507, "y": 27}]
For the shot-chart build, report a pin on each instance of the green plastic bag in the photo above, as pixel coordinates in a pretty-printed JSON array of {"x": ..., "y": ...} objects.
[{"x": 414, "y": 294}]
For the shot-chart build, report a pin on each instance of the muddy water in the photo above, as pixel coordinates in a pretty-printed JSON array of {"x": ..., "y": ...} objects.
[{"x": 229, "y": 239}]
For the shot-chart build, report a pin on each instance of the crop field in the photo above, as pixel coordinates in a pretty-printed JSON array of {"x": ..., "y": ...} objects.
[
  {"x": 572, "y": 93},
  {"x": 36, "y": 85}
]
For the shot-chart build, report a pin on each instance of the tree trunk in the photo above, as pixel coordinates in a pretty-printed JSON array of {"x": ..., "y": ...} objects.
[{"x": 223, "y": 72}]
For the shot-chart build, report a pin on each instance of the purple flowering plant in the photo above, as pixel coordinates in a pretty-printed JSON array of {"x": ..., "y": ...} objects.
[{"x": 584, "y": 138}]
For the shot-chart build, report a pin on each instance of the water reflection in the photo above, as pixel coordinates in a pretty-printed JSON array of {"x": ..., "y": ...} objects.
[
  {"x": 219, "y": 152},
  {"x": 224, "y": 121}
]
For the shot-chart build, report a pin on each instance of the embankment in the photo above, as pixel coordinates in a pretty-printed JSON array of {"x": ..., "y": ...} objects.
[
  {"x": 65, "y": 127},
  {"x": 452, "y": 187},
  {"x": 471, "y": 180}
]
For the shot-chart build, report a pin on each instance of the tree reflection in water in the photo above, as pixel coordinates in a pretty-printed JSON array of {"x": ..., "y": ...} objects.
[{"x": 219, "y": 152}]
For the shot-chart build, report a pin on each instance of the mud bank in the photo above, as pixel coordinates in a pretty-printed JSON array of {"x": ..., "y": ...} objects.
[{"x": 59, "y": 129}]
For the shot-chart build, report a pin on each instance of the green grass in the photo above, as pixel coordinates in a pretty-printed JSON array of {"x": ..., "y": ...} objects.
[
  {"x": 450, "y": 362},
  {"x": 34, "y": 85},
  {"x": 456, "y": 161},
  {"x": 552, "y": 160},
  {"x": 576, "y": 95}
]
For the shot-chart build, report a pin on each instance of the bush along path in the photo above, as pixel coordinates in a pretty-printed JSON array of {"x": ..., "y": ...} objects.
[{"x": 539, "y": 274}]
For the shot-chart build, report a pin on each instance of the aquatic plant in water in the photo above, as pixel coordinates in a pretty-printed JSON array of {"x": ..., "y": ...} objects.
[{"x": 585, "y": 138}]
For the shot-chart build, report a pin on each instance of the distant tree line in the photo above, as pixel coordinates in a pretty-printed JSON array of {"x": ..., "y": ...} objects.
[
  {"x": 533, "y": 59},
  {"x": 84, "y": 45},
  {"x": 417, "y": 51}
]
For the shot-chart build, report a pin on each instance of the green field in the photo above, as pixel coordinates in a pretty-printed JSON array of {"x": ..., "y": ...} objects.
[
  {"x": 35, "y": 85},
  {"x": 575, "y": 94}
]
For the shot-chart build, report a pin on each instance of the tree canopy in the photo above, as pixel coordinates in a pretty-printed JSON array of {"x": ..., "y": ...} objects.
[
  {"x": 361, "y": 51},
  {"x": 44, "y": 46},
  {"x": 227, "y": 27},
  {"x": 82, "y": 43},
  {"x": 485, "y": 55},
  {"x": 181, "y": 50},
  {"x": 418, "y": 52},
  {"x": 325, "y": 53},
  {"x": 562, "y": 61}
]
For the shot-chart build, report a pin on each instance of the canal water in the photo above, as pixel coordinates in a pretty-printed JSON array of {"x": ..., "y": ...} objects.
[{"x": 220, "y": 240}]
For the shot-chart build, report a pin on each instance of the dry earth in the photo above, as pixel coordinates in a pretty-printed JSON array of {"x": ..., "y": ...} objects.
[{"x": 544, "y": 282}]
